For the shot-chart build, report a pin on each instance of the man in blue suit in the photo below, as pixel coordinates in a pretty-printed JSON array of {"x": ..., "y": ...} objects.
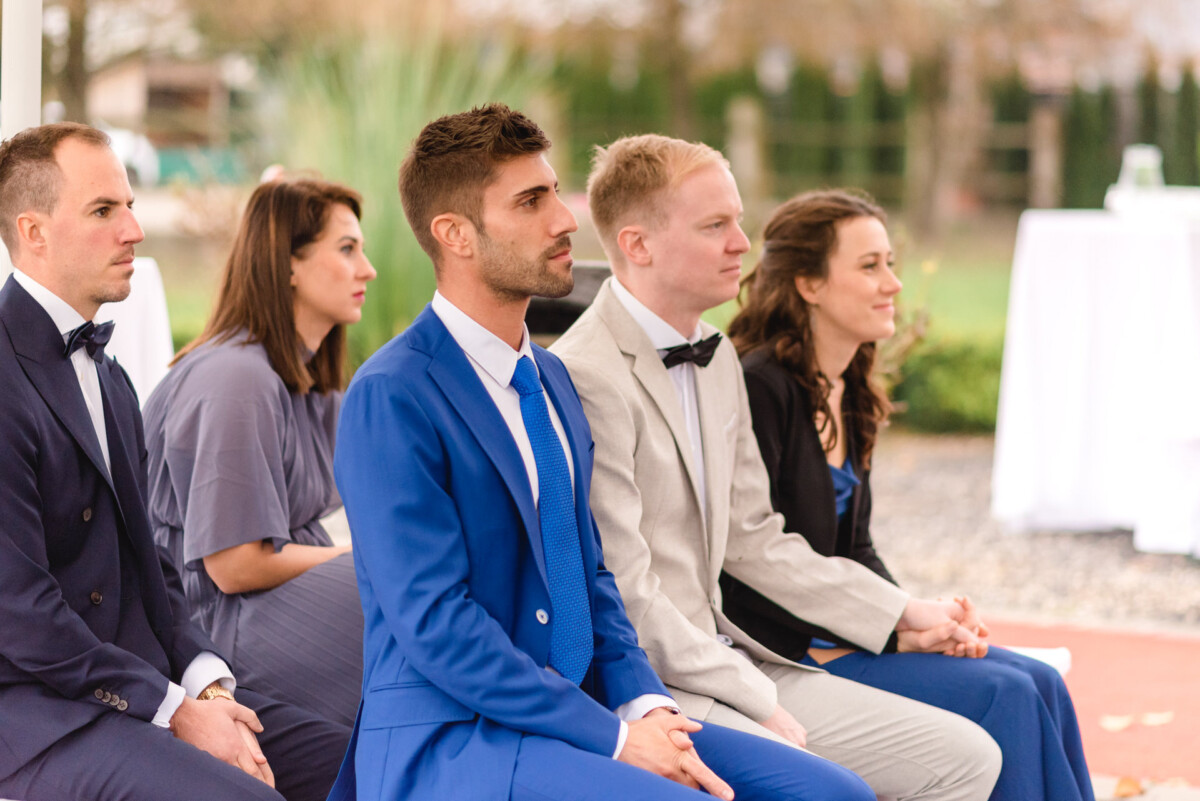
[
  {"x": 100, "y": 663},
  {"x": 499, "y": 662}
]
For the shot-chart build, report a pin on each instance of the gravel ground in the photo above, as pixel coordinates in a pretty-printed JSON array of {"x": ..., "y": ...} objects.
[{"x": 933, "y": 527}]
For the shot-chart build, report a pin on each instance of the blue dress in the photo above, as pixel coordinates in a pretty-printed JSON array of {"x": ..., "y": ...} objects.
[{"x": 1021, "y": 702}]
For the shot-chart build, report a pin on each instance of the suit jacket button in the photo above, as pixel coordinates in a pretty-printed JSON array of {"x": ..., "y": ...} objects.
[
  {"x": 115, "y": 700},
  {"x": 542, "y": 616},
  {"x": 99, "y": 695},
  {"x": 87, "y": 514},
  {"x": 97, "y": 597},
  {"x": 107, "y": 698},
  {"x": 121, "y": 707}
]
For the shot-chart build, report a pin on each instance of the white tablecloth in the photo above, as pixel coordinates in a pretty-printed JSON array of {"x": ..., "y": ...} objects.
[
  {"x": 1099, "y": 418},
  {"x": 141, "y": 342}
]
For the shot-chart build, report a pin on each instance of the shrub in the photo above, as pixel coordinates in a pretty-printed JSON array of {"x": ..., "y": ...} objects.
[{"x": 950, "y": 387}]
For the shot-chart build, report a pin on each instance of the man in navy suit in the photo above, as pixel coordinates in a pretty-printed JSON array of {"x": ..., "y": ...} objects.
[
  {"x": 100, "y": 663},
  {"x": 499, "y": 662}
]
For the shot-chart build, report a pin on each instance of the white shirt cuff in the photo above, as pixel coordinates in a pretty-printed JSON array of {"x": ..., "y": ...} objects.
[
  {"x": 206, "y": 668},
  {"x": 169, "y": 706},
  {"x": 638, "y": 707},
  {"x": 621, "y": 737},
  {"x": 636, "y": 710}
]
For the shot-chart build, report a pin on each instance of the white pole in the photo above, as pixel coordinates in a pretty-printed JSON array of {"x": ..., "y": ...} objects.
[{"x": 20, "y": 75}]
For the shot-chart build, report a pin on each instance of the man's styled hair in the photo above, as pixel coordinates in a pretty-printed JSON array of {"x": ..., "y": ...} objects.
[
  {"x": 453, "y": 160},
  {"x": 29, "y": 175},
  {"x": 630, "y": 177}
]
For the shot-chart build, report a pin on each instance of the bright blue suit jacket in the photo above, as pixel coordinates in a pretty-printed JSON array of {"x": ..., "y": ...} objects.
[{"x": 453, "y": 581}]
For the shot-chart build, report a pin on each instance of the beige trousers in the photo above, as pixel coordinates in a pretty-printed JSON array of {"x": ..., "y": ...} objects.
[{"x": 903, "y": 749}]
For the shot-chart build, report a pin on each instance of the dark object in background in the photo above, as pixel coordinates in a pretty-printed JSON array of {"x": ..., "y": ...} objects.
[{"x": 548, "y": 318}]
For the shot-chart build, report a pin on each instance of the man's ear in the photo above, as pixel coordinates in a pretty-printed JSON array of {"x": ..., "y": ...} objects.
[
  {"x": 809, "y": 289},
  {"x": 31, "y": 232},
  {"x": 632, "y": 241},
  {"x": 455, "y": 233}
]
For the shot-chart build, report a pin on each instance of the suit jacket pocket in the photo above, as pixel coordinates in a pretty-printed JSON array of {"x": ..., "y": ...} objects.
[{"x": 410, "y": 705}]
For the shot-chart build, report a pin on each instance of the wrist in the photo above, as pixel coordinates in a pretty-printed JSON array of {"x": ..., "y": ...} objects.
[{"x": 214, "y": 690}]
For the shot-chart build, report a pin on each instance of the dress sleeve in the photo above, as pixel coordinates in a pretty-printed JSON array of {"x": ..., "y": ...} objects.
[{"x": 226, "y": 451}]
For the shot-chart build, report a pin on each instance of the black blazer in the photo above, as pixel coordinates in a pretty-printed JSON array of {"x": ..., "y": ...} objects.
[
  {"x": 92, "y": 620},
  {"x": 802, "y": 491}
]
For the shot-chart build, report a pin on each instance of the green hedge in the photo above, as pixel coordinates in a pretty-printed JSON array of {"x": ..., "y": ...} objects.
[{"x": 950, "y": 387}]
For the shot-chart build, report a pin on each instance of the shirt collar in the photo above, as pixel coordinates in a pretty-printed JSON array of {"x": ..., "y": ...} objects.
[
  {"x": 662, "y": 335},
  {"x": 493, "y": 354},
  {"x": 65, "y": 318}
]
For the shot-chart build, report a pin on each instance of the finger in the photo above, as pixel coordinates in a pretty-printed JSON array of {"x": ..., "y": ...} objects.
[
  {"x": 703, "y": 775},
  {"x": 252, "y": 744},
  {"x": 680, "y": 740},
  {"x": 245, "y": 714},
  {"x": 683, "y": 723},
  {"x": 268, "y": 775},
  {"x": 981, "y": 650},
  {"x": 248, "y": 765}
]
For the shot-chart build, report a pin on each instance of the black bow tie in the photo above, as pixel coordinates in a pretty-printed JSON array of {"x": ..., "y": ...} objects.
[
  {"x": 91, "y": 336},
  {"x": 700, "y": 353}
]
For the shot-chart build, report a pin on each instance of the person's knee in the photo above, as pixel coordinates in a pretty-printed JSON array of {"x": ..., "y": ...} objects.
[{"x": 976, "y": 753}]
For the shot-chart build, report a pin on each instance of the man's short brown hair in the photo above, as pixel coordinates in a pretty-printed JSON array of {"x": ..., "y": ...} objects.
[
  {"x": 29, "y": 174},
  {"x": 453, "y": 160},
  {"x": 630, "y": 178}
]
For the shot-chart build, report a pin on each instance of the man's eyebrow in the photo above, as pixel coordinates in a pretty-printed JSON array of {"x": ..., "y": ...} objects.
[
  {"x": 541, "y": 189},
  {"x": 108, "y": 201}
]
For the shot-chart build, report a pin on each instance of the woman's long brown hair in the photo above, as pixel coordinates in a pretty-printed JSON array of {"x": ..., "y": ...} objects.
[
  {"x": 281, "y": 219},
  {"x": 797, "y": 242}
]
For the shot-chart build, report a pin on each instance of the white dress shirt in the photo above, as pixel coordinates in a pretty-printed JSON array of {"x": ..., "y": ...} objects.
[
  {"x": 663, "y": 336},
  {"x": 495, "y": 362},
  {"x": 207, "y": 667}
]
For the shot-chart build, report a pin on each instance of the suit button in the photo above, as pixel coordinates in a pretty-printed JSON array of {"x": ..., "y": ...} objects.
[
  {"x": 115, "y": 700},
  {"x": 542, "y": 616},
  {"x": 121, "y": 707},
  {"x": 107, "y": 698},
  {"x": 87, "y": 514},
  {"x": 99, "y": 695},
  {"x": 96, "y": 597}
]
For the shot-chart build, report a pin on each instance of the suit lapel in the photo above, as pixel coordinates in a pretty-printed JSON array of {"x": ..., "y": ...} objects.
[
  {"x": 711, "y": 383},
  {"x": 39, "y": 349},
  {"x": 451, "y": 370},
  {"x": 649, "y": 371}
]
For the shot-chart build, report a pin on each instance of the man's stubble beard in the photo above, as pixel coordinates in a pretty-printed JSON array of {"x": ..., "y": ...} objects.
[{"x": 511, "y": 279}]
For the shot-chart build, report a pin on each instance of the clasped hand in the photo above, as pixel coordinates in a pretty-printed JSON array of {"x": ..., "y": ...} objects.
[
  {"x": 953, "y": 628},
  {"x": 659, "y": 743},
  {"x": 226, "y": 730}
]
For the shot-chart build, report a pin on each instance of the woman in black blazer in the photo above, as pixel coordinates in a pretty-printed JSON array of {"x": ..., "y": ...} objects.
[{"x": 818, "y": 301}]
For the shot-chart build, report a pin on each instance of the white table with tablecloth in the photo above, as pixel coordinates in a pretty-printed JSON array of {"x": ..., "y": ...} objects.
[{"x": 1099, "y": 418}]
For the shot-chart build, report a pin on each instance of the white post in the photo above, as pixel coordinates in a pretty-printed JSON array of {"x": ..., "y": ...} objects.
[{"x": 20, "y": 75}]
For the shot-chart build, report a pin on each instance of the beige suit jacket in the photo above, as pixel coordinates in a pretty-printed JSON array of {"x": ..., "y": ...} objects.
[{"x": 666, "y": 552}]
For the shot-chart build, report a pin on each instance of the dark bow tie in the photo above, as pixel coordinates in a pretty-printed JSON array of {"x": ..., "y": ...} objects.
[
  {"x": 700, "y": 353},
  {"x": 91, "y": 336}
]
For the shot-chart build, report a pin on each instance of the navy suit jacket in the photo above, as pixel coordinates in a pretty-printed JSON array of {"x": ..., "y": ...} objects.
[
  {"x": 92, "y": 621},
  {"x": 453, "y": 581}
]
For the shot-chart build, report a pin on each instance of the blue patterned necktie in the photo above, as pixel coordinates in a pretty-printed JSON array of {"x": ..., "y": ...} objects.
[{"x": 571, "y": 637}]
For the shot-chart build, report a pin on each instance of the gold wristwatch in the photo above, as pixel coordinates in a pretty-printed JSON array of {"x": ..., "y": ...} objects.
[{"x": 214, "y": 690}]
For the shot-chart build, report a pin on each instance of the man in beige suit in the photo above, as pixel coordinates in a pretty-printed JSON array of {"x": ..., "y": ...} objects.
[{"x": 680, "y": 493}]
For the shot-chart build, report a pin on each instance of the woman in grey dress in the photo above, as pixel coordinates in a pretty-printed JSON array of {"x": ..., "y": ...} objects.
[{"x": 240, "y": 437}]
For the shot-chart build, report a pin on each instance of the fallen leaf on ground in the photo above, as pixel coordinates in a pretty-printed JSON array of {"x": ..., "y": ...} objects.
[
  {"x": 1157, "y": 718},
  {"x": 1127, "y": 787},
  {"x": 1116, "y": 722}
]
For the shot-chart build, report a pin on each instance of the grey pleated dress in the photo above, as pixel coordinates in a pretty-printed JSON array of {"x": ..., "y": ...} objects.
[{"x": 235, "y": 458}]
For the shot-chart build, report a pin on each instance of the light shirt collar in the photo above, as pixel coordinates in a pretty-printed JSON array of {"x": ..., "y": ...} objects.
[
  {"x": 493, "y": 354},
  {"x": 662, "y": 335},
  {"x": 65, "y": 318}
]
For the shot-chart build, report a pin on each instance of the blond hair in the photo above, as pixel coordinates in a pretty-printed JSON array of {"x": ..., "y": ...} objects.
[{"x": 630, "y": 178}]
